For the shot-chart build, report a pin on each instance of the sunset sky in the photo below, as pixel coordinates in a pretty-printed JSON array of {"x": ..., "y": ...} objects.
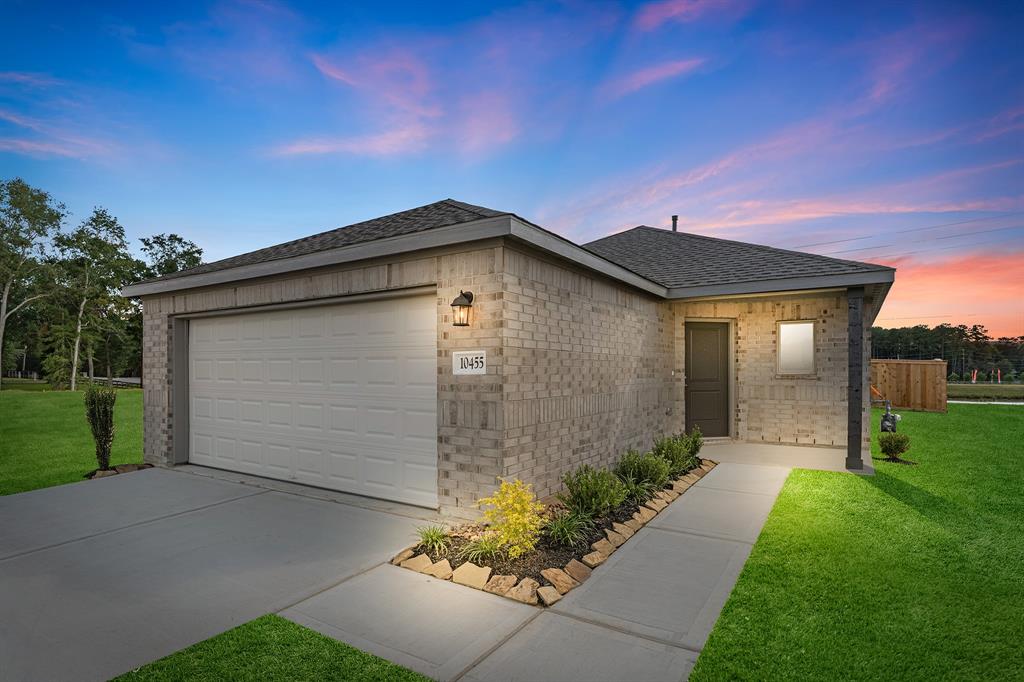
[{"x": 888, "y": 132}]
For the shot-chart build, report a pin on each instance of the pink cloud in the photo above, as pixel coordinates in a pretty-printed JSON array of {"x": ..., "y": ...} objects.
[
  {"x": 36, "y": 148},
  {"x": 653, "y": 15},
  {"x": 407, "y": 140},
  {"x": 486, "y": 121},
  {"x": 651, "y": 75},
  {"x": 468, "y": 88},
  {"x": 51, "y": 139},
  {"x": 395, "y": 78},
  {"x": 1003, "y": 123},
  {"x": 38, "y": 80}
]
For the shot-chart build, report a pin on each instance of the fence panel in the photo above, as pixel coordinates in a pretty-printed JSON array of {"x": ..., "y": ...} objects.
[{"x": 911, "y": 384}]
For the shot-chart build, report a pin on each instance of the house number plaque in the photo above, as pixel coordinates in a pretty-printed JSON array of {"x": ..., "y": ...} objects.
[{"x": 469, "y": 362}]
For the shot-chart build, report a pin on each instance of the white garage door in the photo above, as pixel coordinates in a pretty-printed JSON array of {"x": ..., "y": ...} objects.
[{"x": 341, "y": 396}]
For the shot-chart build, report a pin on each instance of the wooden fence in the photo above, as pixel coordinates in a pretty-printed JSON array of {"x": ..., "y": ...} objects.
[{"x": 911, "y": 384}]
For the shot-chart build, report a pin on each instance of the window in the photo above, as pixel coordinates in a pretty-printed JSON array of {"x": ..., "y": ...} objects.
[{"x": 796, "y": 347}]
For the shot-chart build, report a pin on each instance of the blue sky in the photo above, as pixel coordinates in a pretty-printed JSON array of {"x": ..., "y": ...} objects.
[{"x": 891, "y": 132}]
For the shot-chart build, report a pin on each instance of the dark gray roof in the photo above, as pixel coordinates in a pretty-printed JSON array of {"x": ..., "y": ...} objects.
[
  {"x": 439, "y": 214},
  {"x": 680, "y": 259}
]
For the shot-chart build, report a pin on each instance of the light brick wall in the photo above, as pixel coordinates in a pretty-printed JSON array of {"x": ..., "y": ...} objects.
[
  {"x": 784, "y": 409},
  {"x": 579, "y": 368},
  {"x": 470, "y": 429},
  {"x": 587, "y": 369}
]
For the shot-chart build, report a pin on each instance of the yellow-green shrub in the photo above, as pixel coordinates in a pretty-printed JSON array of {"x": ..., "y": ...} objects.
[{"x": 514, "y": 516}]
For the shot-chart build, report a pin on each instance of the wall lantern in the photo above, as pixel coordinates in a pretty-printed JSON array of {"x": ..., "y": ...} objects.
[{"x": 460, "y": 309}]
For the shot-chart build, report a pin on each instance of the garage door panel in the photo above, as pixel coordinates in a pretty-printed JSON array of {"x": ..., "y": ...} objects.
[
  {"x": 278, "y": 459},
  {"x": 420, "y": 477},
  {"x": 343, "y": 397},
  {"x": 309, "y": 416},
  {"x": 279, "y": 371},
  {"x": 250, "y": 453}
]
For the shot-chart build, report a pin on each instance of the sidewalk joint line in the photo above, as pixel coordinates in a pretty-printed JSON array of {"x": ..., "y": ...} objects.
[
  {"x": 616, "y": 628},
  {"x": 482, "y": 657},
  {"x": 132, "y": 525},
  {"x": 710, "y": 536}
]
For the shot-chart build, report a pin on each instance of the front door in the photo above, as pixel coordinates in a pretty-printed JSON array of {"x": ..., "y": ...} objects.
[{"x": 707, "y": 377}]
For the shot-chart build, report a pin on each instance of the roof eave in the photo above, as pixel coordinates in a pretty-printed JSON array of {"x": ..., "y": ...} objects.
[
  {"x": 767, "y": 286},
  {"x": 486, "y": 228}
]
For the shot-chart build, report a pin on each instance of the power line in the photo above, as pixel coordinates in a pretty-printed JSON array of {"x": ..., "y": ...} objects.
[
  {"x": 942, "y": 248},
  {"x": 913, "y": 229},
  {"x": 923, "y": 317},
  {"x": 948, "y": 236}
]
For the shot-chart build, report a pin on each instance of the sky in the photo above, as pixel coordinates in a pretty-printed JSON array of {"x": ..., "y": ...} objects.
[{"x": 884, "y": 132}]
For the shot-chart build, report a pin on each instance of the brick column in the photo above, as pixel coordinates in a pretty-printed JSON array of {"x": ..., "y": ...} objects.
[{"x": 855, "y": 388}]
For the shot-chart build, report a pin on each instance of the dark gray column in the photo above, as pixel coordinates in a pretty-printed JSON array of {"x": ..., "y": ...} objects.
[
  {"x": 855, "y": 364},
  {"x": 178, "y": 400}
]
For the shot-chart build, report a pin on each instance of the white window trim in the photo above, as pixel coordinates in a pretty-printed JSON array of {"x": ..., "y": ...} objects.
[{"x": 813, "y": 371}]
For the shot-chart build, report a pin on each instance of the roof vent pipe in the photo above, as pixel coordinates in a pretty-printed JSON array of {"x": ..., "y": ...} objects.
[{"x": 675, "y": 223}]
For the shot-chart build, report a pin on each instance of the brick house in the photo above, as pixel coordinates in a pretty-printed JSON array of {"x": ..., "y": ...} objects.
[{"x": 339, "y": 361}]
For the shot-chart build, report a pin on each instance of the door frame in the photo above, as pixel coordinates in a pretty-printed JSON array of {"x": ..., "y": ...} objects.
[{"x": 731, "y": 322}]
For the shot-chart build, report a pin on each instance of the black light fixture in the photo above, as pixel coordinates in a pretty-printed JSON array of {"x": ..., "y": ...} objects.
[{"x": 460, "y": 309}]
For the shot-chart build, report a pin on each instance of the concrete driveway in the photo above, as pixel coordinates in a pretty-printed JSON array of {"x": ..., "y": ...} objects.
[{"x": 103, "y": 576}]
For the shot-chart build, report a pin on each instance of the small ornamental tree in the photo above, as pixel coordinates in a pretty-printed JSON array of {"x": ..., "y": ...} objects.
[
  {"x": 99, "y": 411},
  {"x": 515, "y": 517}
]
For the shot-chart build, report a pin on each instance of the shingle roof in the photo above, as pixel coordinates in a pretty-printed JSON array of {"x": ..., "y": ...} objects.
[
  {"x": 680, "y": 259},
  {"x": 438, "y": 214}
]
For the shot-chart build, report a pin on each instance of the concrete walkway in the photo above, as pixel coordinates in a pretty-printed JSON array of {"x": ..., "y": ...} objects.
[{"x": 644, "y": 615}]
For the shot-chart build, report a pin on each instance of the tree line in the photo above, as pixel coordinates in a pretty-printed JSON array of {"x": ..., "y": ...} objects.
[
  {"x": 61, "y": 312},
  {"x": 964, "y": 348}
]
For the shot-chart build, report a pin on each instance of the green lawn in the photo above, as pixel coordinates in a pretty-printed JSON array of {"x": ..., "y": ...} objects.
[
  {"x": 271, "y": 648},
  {"x": 45, "y": 440},
  {"x": 915, "y": 573},
  {"x": 985, "y": 391}
]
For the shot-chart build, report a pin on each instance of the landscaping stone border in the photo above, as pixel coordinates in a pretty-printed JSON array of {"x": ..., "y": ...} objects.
[
  {"x": 119, "y": 469},
  {"x": 562, "y": 580}
]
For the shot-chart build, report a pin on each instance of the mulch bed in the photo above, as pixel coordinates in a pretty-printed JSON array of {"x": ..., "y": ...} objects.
[{"x": 547, "y": 554}]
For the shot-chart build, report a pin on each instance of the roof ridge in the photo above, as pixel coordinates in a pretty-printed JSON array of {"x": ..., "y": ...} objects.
[{"x": 476, "y": 210}]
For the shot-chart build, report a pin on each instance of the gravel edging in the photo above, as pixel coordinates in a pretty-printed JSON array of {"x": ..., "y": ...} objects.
[{"x": 557, "y": 581}]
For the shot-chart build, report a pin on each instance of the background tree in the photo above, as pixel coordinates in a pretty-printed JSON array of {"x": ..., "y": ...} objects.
[
  {"x": 167, "y": 253},
  {"x": 963, "y": 348},
  {"x": 95, "y": 264},
  {"x": 29, "y": 219}
]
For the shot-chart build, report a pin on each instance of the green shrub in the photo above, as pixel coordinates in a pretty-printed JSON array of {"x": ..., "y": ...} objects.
[
  {"x": 434, "y": 539},
  {"x": 99, "y": 412},
  {"x": 893, "y": 445},
  {"x": 694, "y": 441},
  {"x": 638, "y": 492},
  {"x": 569, "y": 528},
  {"x": 680, "y": 451},
  {"x": 643, "y": 468},
  {"x": 515, "y": 516},
  {"x": 486, "y": 547},
  {"x": 57, "y": 370},
  {"x": 592, "y": 492}
]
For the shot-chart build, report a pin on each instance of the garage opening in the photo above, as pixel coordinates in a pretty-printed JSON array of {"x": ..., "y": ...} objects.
[{"x": 337, "y": 396}]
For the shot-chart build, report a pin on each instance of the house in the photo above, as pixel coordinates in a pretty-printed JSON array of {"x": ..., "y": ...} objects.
[{"x": 339, "y": 361}]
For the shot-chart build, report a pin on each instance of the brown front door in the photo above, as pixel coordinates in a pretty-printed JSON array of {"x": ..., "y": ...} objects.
[{"x": 707, "y": 377}]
